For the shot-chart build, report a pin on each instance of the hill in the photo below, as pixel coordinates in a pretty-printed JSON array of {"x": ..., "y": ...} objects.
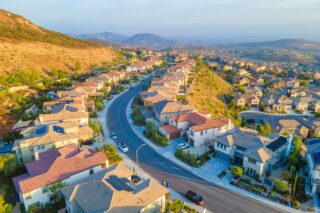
[
  {"x": 144, "y": 40},
  {"x": 26, "y": 45},
  {"x": 207, "y": 90},
  {"x": 149, "y": 40},
  {"x": 281, "y": 44},
  {"x": 104, "y": 37}
]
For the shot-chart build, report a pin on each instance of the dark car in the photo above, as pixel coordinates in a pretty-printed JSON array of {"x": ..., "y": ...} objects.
[
  {"x": 135, "y": 179},
  {"x": 194, "y": 197}
]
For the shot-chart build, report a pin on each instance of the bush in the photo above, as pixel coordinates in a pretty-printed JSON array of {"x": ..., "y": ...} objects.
[
  {"x": 96, "y": 127},
  {"x": 236, "y": 171},
  {"x": 281, "y": 186},
  {"x": 137, "y": 117},
  {"x": 155, "y": 136},
  {"x": 99, "y": 105},
  {"x": 112, "y": 154},
  {"x": 5, "y": 207}
]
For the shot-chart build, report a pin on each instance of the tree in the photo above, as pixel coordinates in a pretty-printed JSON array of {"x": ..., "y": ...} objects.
[
  {"x": 99, "y": 105},
  {"x": 297, "y": 142},
  {"x": 96, "y": 127},
  {"x": 281, "y": 186},
  {"x": 265, "y": 130},
  {"x": 8, "y": 164},
  {"x": 175, "y": 206},
  {"x": 294, "y": 185},
  {"x": 5, "y": 207},
  {"x": 236, "y": 171},
  {"x": 112, "y": 154}
]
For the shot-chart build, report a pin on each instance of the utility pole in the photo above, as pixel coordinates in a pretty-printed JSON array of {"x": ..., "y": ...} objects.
[{"x": 137, "y": 160}]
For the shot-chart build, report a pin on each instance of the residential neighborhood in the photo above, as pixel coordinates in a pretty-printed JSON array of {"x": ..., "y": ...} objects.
[{"x": 137, "y": 107}]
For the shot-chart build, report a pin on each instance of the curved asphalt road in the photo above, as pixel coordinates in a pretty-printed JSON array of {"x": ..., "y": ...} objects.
[{"x": 216, "y": 199}]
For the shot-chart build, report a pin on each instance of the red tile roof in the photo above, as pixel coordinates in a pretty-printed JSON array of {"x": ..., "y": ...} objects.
[
  {"x": 57, "y": 165},
  {"x": 170, "y": 129}
]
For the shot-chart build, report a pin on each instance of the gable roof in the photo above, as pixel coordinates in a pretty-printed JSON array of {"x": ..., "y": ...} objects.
[
  {"x": 111, "y": 189},
  {"x": 252, "y": 144},
  {"x": 57, "y": 165}
]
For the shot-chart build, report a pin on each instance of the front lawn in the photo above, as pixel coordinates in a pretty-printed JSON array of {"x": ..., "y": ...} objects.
[{"x": 192, "y": 159}]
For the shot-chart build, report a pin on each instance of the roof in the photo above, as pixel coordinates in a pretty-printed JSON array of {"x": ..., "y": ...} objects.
[
  {"x": 170, "y": 129},
  {"x": 48, "y": 134},
  {"x": 199, "y": 121},
  {"x": 62, "y": 116},
  {"x": 166, "y": 106},
  {"x": 57, "y": 165},
  {"x": 252, "y": 144},
  {"x": 313, "y": 145},
  {"x": 111, "y": 190}
]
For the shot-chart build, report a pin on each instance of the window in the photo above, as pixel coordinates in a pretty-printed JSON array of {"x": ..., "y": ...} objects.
[
  {"x": 91, "y": 172},
  {"x": 45, "y": 189},
  {"x": 28, "y": 196},
  {"x": 252, "y": 161}
]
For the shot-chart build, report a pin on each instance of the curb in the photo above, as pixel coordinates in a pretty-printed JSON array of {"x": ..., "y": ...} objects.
[{"x": 222, "y": 185}]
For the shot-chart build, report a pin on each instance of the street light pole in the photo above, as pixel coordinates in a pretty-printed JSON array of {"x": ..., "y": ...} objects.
[{"x": 137, "y": 161}]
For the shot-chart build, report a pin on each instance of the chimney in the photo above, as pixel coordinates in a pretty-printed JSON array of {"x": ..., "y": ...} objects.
[
  {"x": 289, "y": 139},
  {"x": 36, "y": 156}
]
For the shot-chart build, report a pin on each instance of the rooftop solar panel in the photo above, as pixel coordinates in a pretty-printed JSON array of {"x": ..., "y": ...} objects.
[
  {"x": 314, "y": 141},
  {"x": 316, "y": 157},
  {"x": 276, "y": 144},
  {"x": 41, "y": 130},
  {"x": 119, "y": 183}
]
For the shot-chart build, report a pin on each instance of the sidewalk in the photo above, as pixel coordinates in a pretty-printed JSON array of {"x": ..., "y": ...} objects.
[
  {"x": 129, "y": 163},
  {"x": 208, "y": 175}
]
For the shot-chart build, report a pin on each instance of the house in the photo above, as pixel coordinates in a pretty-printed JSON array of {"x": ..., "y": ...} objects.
[
  {"x": 65, "y": 113},
  {"x": 49, "y": 105},
  {"x": 292, "y": 126},
  {"x": 313, "y": 158},
  {"x": 39, "y": 139},
  {"x": 254, "y": 152},
  {"x": 112, "y": 190},
  {"x": 199, "y": 128},
  {"x": 293, "y": 83},
  {"x": 247, "y": 100},
  {"x": 247, "y": 80},
  {"x": 254, "y": 91},
  {"x": 63, "y": 166},
  {"x": 164, "y": 110}
]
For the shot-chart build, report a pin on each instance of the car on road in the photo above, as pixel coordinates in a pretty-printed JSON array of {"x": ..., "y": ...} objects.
[
  {"x": 110, "y": 98},
  {"x": 113, "y": 136},
  {"x": 135, "y": 179},
  {"x": 194, "y": 197},
  {"x": 123, "y": 147},
  {"x": 182, "y": 146}
]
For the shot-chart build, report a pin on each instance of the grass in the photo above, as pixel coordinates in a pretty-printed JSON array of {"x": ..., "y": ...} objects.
[{"x": 207, "y": 91}]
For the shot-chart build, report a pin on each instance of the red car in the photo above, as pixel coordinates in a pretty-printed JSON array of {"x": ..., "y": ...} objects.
[{"x": 194, "y": 197}]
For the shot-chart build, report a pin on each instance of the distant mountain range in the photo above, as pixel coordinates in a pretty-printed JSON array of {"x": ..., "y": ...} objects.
[
  {"x": 145, "y": 40},
  {"x": 298, "y": 44}
]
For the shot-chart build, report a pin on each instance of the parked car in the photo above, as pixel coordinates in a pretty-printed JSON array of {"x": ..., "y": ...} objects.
[
  {"x": 123, "y": 147},
  {"x": 88, "y": 142},
  {"x": 135, "y": 179},
  {"x": 113, "y": 136},
  {"x": 194, "y": 197},
  {"x": 110, "y": 98},
  {"x": 182, "y": 146}
]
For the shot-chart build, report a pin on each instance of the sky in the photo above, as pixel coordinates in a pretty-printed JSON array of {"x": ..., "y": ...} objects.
[{"x": 217, "y": 21}]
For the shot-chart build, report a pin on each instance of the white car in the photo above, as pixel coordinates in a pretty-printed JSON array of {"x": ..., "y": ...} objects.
[
  {"x": 182, "y": 146},
  {"x": 123, "y": 147},
  {"x": 113, "y": 136}
]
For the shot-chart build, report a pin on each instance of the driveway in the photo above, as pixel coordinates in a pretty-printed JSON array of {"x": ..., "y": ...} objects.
[{"x": 217, "y": 199}]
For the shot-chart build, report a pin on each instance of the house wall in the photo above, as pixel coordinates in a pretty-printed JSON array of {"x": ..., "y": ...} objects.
[
  {"x": 313, "y": 175},
  {"x": 156, "y": 206},
  {"x": 258, "y": 166},
  {"x": 43, "y": 197},
  {"x": 27, "y": 152}
]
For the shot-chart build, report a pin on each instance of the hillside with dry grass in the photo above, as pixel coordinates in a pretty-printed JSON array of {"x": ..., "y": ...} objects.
[
  {"x": 25, "y": 45},
  {"x": 207, "y": 91}
]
